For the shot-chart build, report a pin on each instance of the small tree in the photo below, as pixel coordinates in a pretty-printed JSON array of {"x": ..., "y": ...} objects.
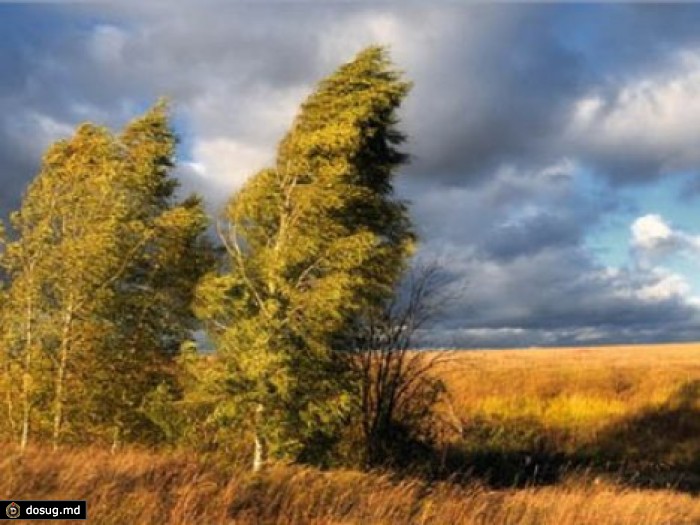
[
  {"x": 398, "y": 384},
  {"x": 309, "y": 244}
]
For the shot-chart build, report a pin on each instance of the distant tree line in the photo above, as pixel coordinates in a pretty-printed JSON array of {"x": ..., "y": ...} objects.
[{"x": 107, "y": 275}]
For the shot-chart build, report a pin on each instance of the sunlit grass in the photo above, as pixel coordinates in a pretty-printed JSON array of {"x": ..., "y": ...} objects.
[
  {"x": 629, "y": 407},
  {"x": 570, "y": 411},
  {"x": 573, "y": 388},
  {"x": 141, "y": 487}
]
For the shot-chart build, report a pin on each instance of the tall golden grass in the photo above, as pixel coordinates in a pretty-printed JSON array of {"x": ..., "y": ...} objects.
[
  {"x": 628, "y": 413},
  {"x": 147, "y": 488},
  {"x": 614, "y": 380},
  {"x": 582, "y": 391},
  {"x": 574, "y": 399}
]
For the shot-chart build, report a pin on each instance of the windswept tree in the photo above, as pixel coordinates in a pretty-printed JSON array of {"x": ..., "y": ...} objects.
[
  {"x": 92, "y": 240},
  {"x": 152, "y": 313},
  {"x": 66, "y": 256},
  {"x": 310, "y": 244}
]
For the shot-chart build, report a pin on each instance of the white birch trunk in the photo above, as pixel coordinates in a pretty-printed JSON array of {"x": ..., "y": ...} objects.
[
  {"x": 61, "y": 374},
  {"x": 26, "y": 377},
  {"x": 259, "y": 451}
]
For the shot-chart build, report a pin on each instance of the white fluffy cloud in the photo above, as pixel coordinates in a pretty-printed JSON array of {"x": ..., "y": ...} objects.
[
  {"x": 654, "y": 241},
  {"x": 668, "y": 285},
  {"x": 227, "y": 162},
  {"x": 651, "y": 232},
  {"x": 653, "y": 236}
]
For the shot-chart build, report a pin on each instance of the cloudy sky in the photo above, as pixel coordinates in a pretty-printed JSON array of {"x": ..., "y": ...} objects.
[{"x": 556, "y": 149}]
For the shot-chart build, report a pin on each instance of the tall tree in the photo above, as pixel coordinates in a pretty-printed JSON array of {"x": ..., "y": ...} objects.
[
  {"x": 69, "y": 250},
  {"x": 153, "y": 312},
  {"x": 99, "y": 241},
  {"x": 310, "y": 244}
]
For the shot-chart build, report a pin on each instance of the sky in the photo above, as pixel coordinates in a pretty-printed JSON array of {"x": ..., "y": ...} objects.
[{"x": 555, "y": 172}]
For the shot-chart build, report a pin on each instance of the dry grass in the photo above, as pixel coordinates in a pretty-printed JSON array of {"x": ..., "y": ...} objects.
[
  {"x": 580, "y": 388},
  {"x": 624, "y": 378},
  {"x": 146, "y": 488},
  {"x": 624, "y": 401},
  {"x": 633, "y": 410}
]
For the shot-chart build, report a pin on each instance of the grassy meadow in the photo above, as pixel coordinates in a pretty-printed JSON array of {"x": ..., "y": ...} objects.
[
  {"x": 629, "y": 412},
  {"x": 540, "y": 436},
  {"x": 147, "y": 488}
]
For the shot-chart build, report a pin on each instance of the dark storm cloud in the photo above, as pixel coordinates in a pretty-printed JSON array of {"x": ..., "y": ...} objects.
[
  {"x": 558, "y": 296},
  {"x": 496, "y": 91},
  {"x": 13, "y": 178},
  {"x": 514, "y": 249},
  {"x": 527, "y": 236},
  {"x": 493, "y": 84},
  {"x": 15, "y": 165},
  {"x": 516, "y": 212},
  {"x": 503, "y": 85}
]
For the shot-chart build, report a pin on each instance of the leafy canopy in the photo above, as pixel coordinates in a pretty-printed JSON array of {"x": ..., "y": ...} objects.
[{"x": 311, "y": 243}]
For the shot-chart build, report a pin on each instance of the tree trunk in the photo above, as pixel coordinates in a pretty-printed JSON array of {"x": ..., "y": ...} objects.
[
  {"x": 115, "y": 438},
  {"x": 61, "y": 374},
  {"x": 258, "y": 454},
  {"x": 26, "y": 376},
  {"x": 10, "y": 405},
  {"x": 259, "y": 451}
]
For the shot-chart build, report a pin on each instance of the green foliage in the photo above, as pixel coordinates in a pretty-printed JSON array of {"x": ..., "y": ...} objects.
[
  {"x": 101, "y": 270},
  {"x": 152, "y": 313},
  {"x": 310, "y": 243}
]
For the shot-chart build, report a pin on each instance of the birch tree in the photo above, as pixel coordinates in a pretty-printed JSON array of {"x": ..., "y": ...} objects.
[
  {"x": 309, "y": 243},
  {"x": 152, "y": 312},
  {"x": 67, "y": 251},
  {"x": 101, "y": 272}
]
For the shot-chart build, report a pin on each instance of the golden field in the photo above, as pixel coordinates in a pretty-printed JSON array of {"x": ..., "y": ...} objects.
[
  {"x": 145, "y": 488},
  {"x": 539, "y": 436},
  {"x": 570, "y": 386},
  {"x": 628, "y": 413}
]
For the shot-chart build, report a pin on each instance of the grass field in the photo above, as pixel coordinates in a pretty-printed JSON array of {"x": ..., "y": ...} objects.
[
  {"x": 536, "y": 437},
  {"x": 631, "y": 411},
  {"x": 580, "y": 386},
  {"x": 146, "y": 488}
]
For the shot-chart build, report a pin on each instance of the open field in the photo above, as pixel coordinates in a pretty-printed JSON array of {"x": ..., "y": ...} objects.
[
  {"x": 631, "y": 410},
  {"x": 623, "y": 378},
  {"x": 141, "y": 487},
  {"x": 536, "y": 437}
]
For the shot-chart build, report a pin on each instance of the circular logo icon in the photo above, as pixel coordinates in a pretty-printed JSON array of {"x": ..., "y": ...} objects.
[{"x": 12, "y": 510}]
